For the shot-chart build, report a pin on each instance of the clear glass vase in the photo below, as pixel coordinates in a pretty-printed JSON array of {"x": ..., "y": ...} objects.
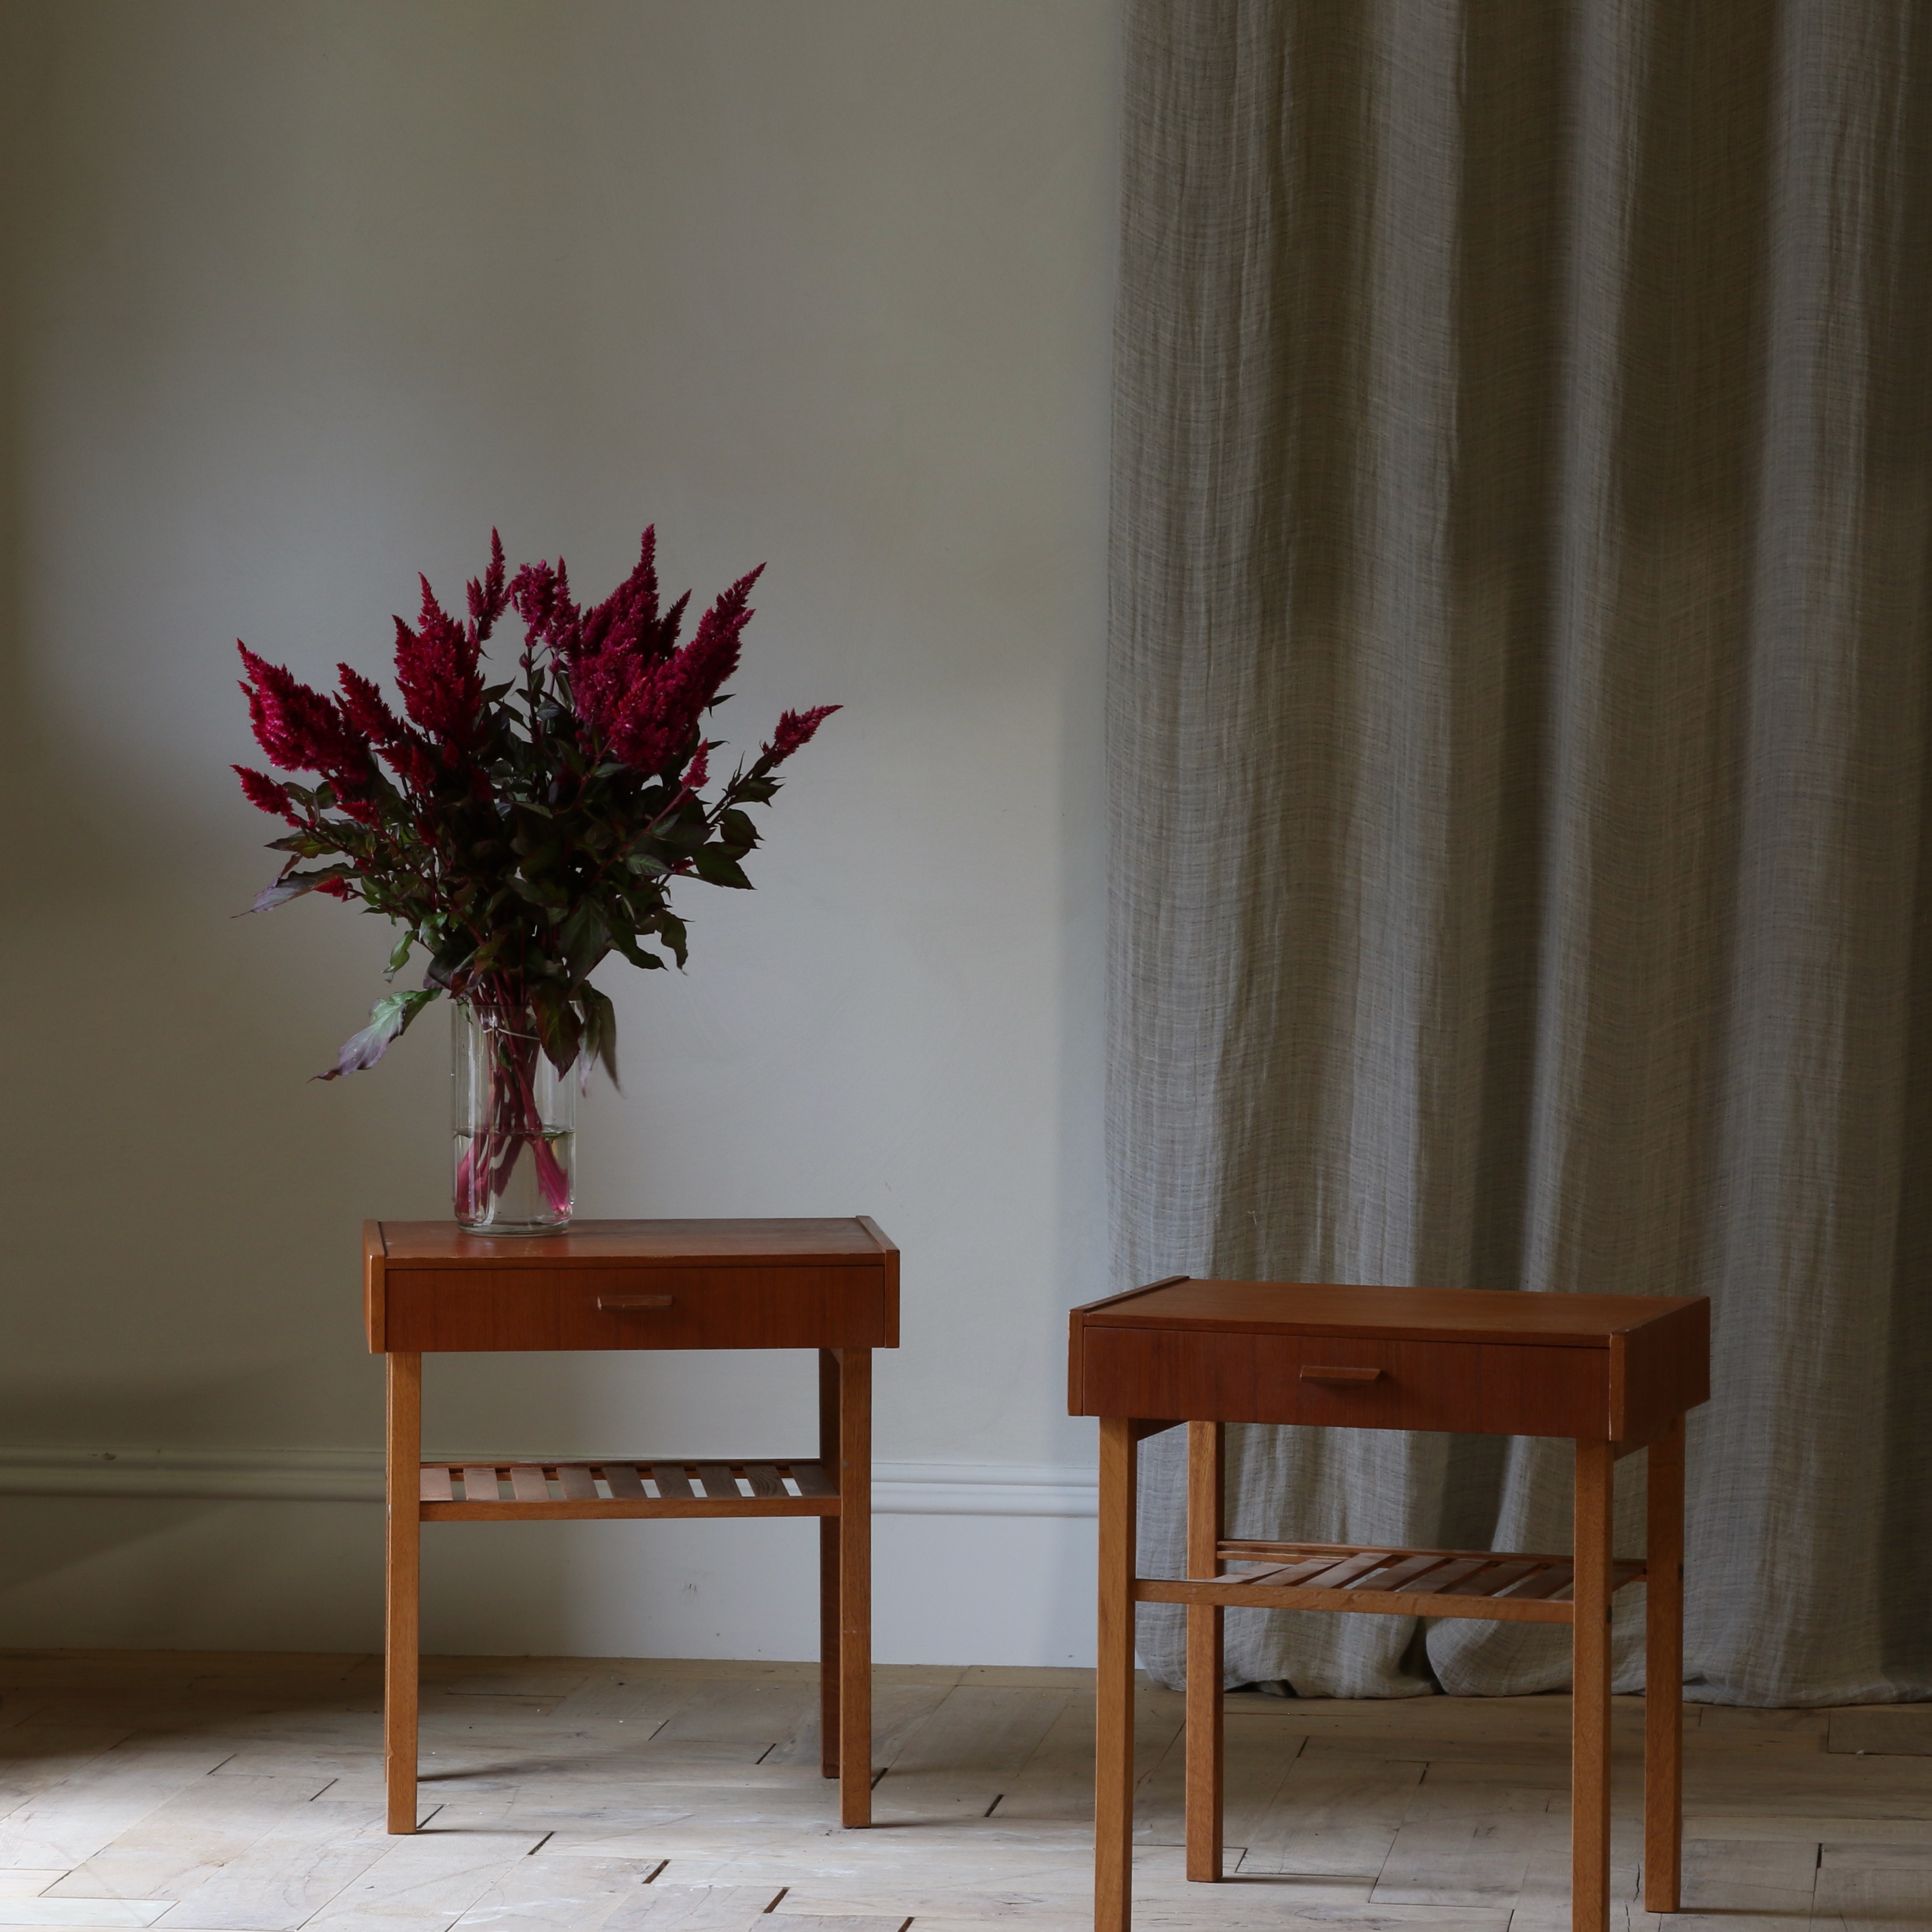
[{"x": 513, "y": 1117}]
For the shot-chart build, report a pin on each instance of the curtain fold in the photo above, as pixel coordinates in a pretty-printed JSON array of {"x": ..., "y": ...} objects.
[{"x": 1518, "y": 727}]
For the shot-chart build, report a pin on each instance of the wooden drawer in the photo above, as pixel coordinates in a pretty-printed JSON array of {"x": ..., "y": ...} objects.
[
  {"x": 458, "y": 1308},
  {"x": 1484, "y": 1388}
]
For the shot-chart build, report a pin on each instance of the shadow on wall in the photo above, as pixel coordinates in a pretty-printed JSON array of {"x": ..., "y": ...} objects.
[
  {"x": 112, "y": 1573},
  {"x": 181, "y": 1206}
]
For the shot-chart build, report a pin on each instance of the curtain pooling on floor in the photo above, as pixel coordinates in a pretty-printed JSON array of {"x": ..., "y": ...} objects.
[{"x": 1518, "y": 726}]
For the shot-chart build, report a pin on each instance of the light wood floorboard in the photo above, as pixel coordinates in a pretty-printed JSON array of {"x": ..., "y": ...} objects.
[{"x": 212, "y": 1793}]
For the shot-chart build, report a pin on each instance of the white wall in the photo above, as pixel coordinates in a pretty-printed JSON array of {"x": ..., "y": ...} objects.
[{"x": 303, "y": 298}]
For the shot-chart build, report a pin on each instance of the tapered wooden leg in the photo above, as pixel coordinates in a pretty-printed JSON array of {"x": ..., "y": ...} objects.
[
  {"x": 402, "y": 1576},
  {"x": 855, "y": 1586},
  {"x": 1590, "y": 1714},
  {"x": 1114, "y": 1732},
  {"x": 1664, "y": 1676},
  {"x": 828, "y": 1573},
  {"x": 1206, "y": 1500}
]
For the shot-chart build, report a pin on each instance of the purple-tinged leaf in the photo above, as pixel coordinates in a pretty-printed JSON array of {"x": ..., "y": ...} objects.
[
  {"x": 293, "y": 885},
  {"x": 389, "y": 1020}
]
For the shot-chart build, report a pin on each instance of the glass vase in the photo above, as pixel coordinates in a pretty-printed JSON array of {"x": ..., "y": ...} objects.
[{"x": 513, "y": 1117}]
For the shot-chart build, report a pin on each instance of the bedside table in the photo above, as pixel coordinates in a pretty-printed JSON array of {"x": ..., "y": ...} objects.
[
  {"x": 829, "y": 1285},
  {"x": 1614, "y": 1373}
]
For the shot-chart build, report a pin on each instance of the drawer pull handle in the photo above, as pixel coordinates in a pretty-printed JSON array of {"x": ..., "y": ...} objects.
[
  {"x": 610, "y": 1304},
  {"x": 1312, "y": 1375}
]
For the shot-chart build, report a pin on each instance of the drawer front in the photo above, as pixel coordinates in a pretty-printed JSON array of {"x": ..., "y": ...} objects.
[
  {"x": 490, "y": 1309},
  {"x": 1478, "y": 1388}
]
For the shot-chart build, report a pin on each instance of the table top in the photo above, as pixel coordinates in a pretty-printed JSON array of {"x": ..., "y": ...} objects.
[
  {"x": 1389, "y": 1314},
  {"x": 839, "y": 1241},
  {"x": 769, "y": 1283}
]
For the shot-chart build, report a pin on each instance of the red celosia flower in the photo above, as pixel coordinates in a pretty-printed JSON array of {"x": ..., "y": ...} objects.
[
  {"x": 541, "y": 592},
  {"x": 487, "y": 596},
  {"x": 265, "y": 795},
  {"x": 795, "y": 730},
  {"x": 438, "y": 673},
  {"x": 300, "y": 730},
  {"x": 699, "y": 769},
  {"x": 410, "y": 756},
  {"x": 645, "y": 712}
]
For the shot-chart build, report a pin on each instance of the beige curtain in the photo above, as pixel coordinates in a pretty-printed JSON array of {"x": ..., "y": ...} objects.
[{"x": 1519, "y": 728}]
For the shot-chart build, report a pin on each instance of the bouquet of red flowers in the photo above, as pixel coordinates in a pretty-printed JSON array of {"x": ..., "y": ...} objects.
[{"x": 519, "y": 832}]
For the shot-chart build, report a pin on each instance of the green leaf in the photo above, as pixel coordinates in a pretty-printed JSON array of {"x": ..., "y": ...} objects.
[
  {"x": 740, "y": 834},
  {"x": 753, "y": 789},
  {"x": 492, "y": 949},
  {"x": 457, "y": 951},
  {"x": 583, "y": 939},
  {"x": 399, "y": 956},
  {"x": 670, "y": 933},
  {"x": 600, "y": 1031},
  {"x": 626, "y": 944},
  {"x": 558, "y": 1026},
  {"x": 545, "y": 892},
  {"x": 719, "y": 868},
  {"x": 389, "y": 1020}
]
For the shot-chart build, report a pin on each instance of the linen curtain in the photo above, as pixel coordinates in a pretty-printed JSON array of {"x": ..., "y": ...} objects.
[{"x": 1518, "y": 724}]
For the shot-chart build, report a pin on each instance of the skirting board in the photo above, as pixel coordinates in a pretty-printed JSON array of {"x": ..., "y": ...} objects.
[{"x": 355, "y": 1475}]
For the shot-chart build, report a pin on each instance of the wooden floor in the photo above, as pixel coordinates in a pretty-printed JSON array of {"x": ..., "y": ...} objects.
[{"x": 242, "y": 1794}]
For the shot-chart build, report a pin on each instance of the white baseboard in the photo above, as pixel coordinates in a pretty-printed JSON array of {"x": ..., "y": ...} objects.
[{"x": 355, "y": 1475}]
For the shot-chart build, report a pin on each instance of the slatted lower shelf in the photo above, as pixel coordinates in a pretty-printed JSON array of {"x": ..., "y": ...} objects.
[
  {"x": 1497, "y": 1585},
  {"x": 509, "y": 1491}
]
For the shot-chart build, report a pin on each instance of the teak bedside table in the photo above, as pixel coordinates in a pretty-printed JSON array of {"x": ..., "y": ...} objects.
[
  {"x": 1614, "y": 1373},
  {"x": 828, "y": 1284}
]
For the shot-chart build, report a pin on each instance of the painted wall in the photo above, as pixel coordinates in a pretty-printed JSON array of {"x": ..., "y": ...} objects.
[{"x": 303, "y": 298}]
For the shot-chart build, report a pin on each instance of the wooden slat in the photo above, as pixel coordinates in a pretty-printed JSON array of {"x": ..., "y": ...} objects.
[
  {"x": 570, "y": 1490},
  {"x": 1237, "y": 1595},
  {"x": 1399, "y": 1574},
  {"x": 1555, "y": 1578},
  {"x": 1494, "y": 1586},
  {"x": 1339, "y": 1575},
  {"x": 718, "y": 1481},
  {"x": 1447, "y": 1576},
  {"x": 813, "y": 1479},
  {"x": 1498, "y": 1576},
  {"x": 1288, "y": 1574},
  {"x": 1283, "y": 1552},
  {"x": 479, "y": 1483},
  {"x": 562, "y": 1510}
]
